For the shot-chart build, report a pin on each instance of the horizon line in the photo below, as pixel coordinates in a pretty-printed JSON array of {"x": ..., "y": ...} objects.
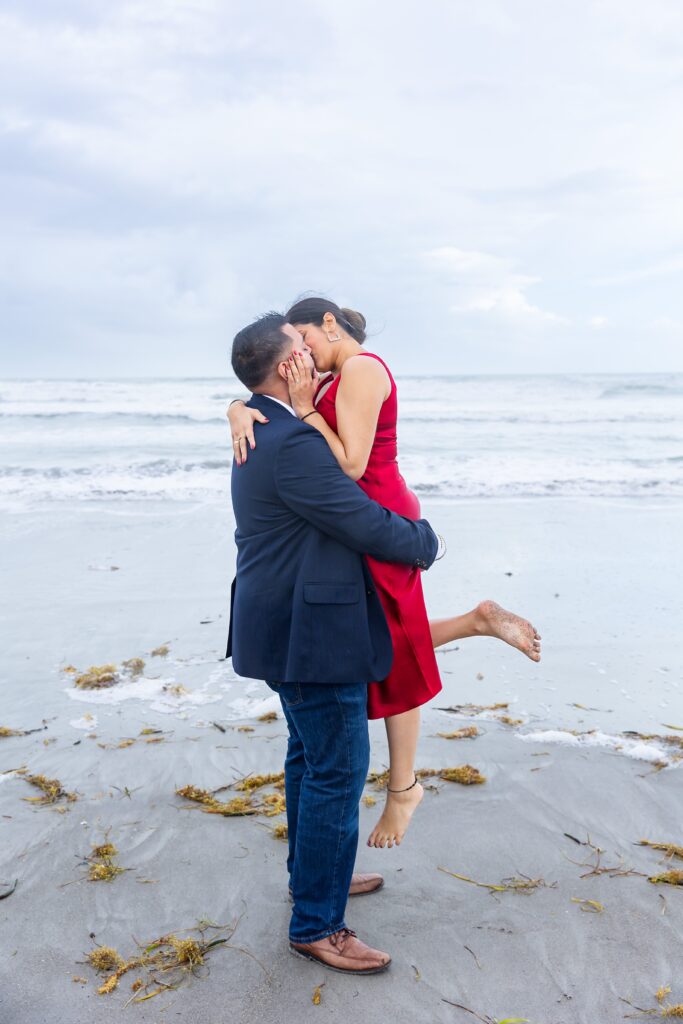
[{"x": 441, "y": 376}]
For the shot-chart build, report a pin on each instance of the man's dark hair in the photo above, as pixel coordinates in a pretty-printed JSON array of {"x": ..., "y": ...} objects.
[{"x": 258, "y": 348}]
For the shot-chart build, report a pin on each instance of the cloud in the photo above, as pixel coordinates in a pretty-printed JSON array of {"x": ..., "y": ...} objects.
[
  {"x": 169, "y": 170},
  {"x": 487, "y": 284},
  {"x": 670, "y": 266},
  {"x": 667, "y": 324}
]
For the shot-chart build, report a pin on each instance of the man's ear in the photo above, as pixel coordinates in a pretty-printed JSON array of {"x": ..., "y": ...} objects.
[{"x": 282, "y": 370}]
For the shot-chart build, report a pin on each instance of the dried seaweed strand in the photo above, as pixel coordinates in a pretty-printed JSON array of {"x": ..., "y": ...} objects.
[
  {"x": 596, "y": 868},
  {"x": 523, "y": 885},
  {"x": 670, "y": 849}
]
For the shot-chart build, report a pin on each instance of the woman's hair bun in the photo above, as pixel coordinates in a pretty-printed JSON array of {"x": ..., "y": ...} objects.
[{"x": 356, "y": 322}]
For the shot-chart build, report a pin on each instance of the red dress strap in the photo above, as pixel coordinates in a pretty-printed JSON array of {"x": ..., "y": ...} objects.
[{"x": 373, "y": 355}]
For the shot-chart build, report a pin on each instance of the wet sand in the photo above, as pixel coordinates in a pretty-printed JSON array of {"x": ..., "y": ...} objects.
[{"x": 610, "y": 644}]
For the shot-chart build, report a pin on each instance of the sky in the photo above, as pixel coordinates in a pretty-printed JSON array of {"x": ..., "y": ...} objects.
[{"x": 497, "y": 186}]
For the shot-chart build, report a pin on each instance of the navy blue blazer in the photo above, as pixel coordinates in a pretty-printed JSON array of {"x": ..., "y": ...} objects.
[{"x": 303, "y": 605}]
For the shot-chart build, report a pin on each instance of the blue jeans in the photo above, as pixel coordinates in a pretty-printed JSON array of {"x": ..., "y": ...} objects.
[{"x": 328, "y": 755}]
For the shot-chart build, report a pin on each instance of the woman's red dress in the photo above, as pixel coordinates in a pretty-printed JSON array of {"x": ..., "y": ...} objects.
[{"x": 414, "y": 677}]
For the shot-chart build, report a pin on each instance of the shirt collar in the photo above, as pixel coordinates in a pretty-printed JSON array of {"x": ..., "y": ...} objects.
[{"x": 280, "y": 402}]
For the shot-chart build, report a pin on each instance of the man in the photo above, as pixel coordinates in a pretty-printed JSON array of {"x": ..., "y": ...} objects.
[{"x": 305, "y": 618}]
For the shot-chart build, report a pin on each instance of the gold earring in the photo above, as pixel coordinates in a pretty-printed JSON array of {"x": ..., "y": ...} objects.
[{"x": 333, "y": 337}]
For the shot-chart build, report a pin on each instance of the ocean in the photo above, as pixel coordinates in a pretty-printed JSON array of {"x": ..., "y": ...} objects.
[{"x": 460, "y": 437}]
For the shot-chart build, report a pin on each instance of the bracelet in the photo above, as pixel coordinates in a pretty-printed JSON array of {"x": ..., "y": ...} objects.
[
  {"x": 308, "y": 414},
  {"x": 403, "y": 790},
  {"x": 235, "y": 400}
]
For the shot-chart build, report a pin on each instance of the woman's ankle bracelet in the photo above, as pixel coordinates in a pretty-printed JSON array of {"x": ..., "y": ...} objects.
[{"x": 405, "y": 790}]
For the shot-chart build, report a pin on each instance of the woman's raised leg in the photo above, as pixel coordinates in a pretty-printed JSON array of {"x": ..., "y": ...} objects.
[{"x": 489, "y": 619}]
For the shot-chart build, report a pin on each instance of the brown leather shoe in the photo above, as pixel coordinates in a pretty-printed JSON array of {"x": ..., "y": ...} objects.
[
  {"x": 343, "y": 951},
  {"x": 362, "y": 884}
]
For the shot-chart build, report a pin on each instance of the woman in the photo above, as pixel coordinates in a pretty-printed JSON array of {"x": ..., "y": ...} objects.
[{"x": 354, "y": 407}]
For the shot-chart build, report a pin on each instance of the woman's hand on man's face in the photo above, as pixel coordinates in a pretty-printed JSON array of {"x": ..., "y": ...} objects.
[{"x": 302, "y": 381}]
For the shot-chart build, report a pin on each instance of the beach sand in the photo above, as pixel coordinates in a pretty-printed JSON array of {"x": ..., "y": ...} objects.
[{"x": 600, "y": 579}]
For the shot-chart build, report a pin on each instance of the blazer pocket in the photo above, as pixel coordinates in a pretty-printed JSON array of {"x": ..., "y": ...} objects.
[{"x": 331, "y": 593}]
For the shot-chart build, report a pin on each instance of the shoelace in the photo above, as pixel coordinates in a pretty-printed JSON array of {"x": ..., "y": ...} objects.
[{"x": 340, "y": 937}]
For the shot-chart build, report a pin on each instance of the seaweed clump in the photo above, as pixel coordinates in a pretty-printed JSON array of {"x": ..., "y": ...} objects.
[
  {"x": 253, "y": 782},
  {"x": 102, "y": 865},
  {"x": 97, "y": 677},
  {"x": 467, "y": 732},
  {"x": 134, "y": 666},
  {"x": 317, "y": 994},
  {"x": 669, "y": 1010},
  {"x": 465, "y": 774},
  {"x": 670, "y": 849},
  {"x": 475, "y": 709},
  {"x": 232, "y": 808},
  {"x": 52, "y": 789},
  {"x": 270, "y": 805},
  {"x": 674, "y": 877},
  {"x": 175, "y": 689},
  {"x": 5, "y": 731},
  {"x": 178, "y": 958},
  {"x": 273, "y": 803},
  {"x": 105, "y": 958},
  {"x": 590, "y": 906}
]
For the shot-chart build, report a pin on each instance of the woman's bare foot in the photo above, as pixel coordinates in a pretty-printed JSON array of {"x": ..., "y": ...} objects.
[
  {"x": 398, "y": 810},
  {"x": 512, "y": 629}
]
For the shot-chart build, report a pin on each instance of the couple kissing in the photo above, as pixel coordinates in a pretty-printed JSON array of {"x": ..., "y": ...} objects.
[{"x": 327, "y": 604}]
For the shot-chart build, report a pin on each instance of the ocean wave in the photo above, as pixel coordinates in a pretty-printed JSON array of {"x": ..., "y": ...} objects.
[
  {"x": 431, "y": 415},
  {"x": 547, "y": 417},
  {"x": 580, "y": 488},
  {"x": 668, "y": 389},
  {"x": 654, "y": 750},
  {"x": 459, "y": 438},
  {"x": 154, "y": 468},
  {"x": 210, "y": 481},
  {"x": 117, "y": 414}
]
